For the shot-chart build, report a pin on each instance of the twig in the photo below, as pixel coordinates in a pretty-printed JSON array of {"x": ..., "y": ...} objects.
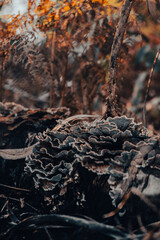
[
  {"x": 14, "y": 188},
  {"x": 142, "y": 227},
  {"x": 52, "y": 97},
  {"x": 3, "y": 207},
  {"x": 1, "y": 75},
  {"x": 64, "y": 79},
  {"x": 148, "y": 87},
  {"x": 116, "y": 46},
  {"x": 48, "y": 234},
  {"x": 51, "y": 219},
  {"x": 65, "y": 67},
  {"x": 17, "y": 200},
  {"x": 12, "y": 216},
  {"x": 120, "y": 206},
  {"x": 52, "y": 80},
  {"x": 150, "y": 229},
  {"x": 146, "y": 200}
]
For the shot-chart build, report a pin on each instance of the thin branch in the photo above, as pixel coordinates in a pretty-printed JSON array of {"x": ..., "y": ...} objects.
[
  {"x": 116, "y": 46},
  {"x": 4, "y": 206},
  {"x": 64, "y": 79},
  {"x": 48, "y": 234},
  {"x": 17, "y": 200},
  {"x": 1, "y": 75},
  {"x": 120, "y": 206},
  {"x": 52, "y": 95},
  {"x": 148, "y": 87},
  {"x": 15, "y": 188},
  {"x": 52, "y": 80}
]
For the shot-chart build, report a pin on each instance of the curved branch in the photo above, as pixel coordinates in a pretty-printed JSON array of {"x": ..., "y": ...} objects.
[{"x": 51, "y": 220}]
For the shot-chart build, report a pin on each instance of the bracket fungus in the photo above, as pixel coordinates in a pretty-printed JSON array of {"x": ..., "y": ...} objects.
[
  {"x": 118, "y": 148},
  {"x": 16, "y": 123}
]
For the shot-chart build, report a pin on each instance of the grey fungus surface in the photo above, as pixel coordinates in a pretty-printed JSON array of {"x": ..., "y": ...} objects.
[
  {"x": 118, "y": 148},
  {"x": 16, "y": 124}
]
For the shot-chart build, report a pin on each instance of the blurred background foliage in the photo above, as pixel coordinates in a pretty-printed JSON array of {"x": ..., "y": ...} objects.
[{"x": 57, "y": 55}]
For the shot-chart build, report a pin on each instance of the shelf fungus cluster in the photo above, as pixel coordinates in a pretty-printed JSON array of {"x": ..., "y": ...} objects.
[
  {"x": 16, "y": 122},
  {"x": 117, "y": 148}
]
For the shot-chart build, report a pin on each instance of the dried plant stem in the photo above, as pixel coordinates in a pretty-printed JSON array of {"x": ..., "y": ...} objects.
[
  {"x": 14, "y": 188},
  {"x": 64, "y": 79},
  {"x": 116, "y": 46},
  {"x": 120, "y": 206},
  {"x": 63, "y": 97},
  {"x": 148, "y": 87},
  {"x": 52, "y": 97},
  {"x": 1, "y": 79}
]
